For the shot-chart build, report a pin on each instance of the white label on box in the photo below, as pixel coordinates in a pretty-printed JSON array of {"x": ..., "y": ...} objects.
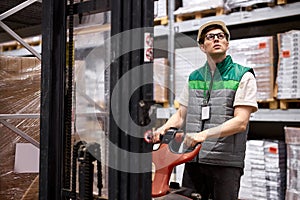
[{"x": 27, "y": 158}]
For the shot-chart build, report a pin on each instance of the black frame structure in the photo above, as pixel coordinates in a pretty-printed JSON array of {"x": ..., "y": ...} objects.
[
  {"x": 52, "y": 98},
  {"x": 126, "y": 15}
]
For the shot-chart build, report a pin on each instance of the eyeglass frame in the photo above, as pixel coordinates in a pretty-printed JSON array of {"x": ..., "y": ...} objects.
[{"x": 219, "y": 36}]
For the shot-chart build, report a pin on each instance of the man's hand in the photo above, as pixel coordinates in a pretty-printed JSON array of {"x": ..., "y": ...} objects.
[
  {"x": 191, "y": 139},
  {"x": 157, "y": 133}
]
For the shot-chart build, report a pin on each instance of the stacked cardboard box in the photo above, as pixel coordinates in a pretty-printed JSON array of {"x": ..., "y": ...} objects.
[
  {"x": 289, "y": 65},
  {"x": 256, "y": 53},
  {"x": 275, "y": 163},
  {"x": 246, "y": 180},
  {"x": 252, "y": 184},
  {"x": 258, "y": 172},
  {"x": 19, "y": 93},
  {"x": 292, "y": 139},
  {"x": 265, "y": 170}
]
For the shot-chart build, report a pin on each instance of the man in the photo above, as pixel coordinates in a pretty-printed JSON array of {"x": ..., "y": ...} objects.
[{"x": 215, "y": 106}]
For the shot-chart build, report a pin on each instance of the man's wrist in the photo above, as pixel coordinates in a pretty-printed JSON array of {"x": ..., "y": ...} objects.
[{"x": 204, "y": 134}]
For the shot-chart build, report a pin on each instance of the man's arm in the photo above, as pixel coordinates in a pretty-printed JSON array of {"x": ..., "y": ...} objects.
[
  {"x": 235, "y": 125},
  {"x": 176, "y": 120}
]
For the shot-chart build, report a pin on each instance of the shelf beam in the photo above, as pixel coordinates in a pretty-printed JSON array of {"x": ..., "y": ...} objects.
[
  {"x": 268, "y": 115},
  {"x": 237, "y": 18}
]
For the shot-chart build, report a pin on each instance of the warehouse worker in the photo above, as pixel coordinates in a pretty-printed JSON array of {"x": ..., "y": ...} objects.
[{"x": 215, "y": 107}]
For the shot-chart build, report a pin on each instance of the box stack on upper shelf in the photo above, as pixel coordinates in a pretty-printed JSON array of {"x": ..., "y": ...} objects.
[
  {"x": 161, "y": 11},
  {"x": 258, "y": 54},
  {"x": 195, "y": 9},
  {"x": 186, "y": 10},
  {"x": 288, "y": 75},
  {"x": 292, "y": 139},
  {"x": 238, "y": 5}
]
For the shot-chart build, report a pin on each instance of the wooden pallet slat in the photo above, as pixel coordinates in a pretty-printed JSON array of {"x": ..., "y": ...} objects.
[
  {"x": 161, "y": 20},
  {"x": 272, "y": 104},
  {"x": 289, "y": 103},
  {"x": 199, "y": 14},
  {"x": 283, "y": 2},
  {"x": 14, "y": 45},
  {"x": 280, "y": 2}
]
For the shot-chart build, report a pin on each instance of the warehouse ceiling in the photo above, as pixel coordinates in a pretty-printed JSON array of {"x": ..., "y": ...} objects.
[{"x": 26, "y": 22}]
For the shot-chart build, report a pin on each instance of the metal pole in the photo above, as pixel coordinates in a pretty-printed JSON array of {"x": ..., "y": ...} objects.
[{"x": 171, "y": 51}]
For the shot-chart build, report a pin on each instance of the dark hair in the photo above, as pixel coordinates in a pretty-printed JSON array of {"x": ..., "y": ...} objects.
[{"x": 209, "y": 28}]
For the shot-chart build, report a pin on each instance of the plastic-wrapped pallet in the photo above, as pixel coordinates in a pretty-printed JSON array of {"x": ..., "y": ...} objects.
[
  {"x": 189, "y": 6},
  {"x": 231, "y": 4},
  {"x": 265, "y": 171},
  {"x": 160, "y": 8},
  {"x": 246, "y": 180},
  {"x": 288, "y": 65},
  {"x": 258, "y": 173},
  {"x": 19, "y": 93},
  {"x": 292, "y": 139},
  {"x": 258, "y": 54},
  {"x": 275, "y": 165},
  {"x": 186, "y": 61}
]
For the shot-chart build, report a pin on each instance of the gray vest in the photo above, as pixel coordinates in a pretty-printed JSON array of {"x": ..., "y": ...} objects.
[{"x": 224, "y": 151}]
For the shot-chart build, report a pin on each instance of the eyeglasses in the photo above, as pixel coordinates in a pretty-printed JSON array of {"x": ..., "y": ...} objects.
[{"x": 212, "y": 36}]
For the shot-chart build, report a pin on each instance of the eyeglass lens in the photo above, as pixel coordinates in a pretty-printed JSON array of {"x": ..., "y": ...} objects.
[{"x": 212, "y": 36}]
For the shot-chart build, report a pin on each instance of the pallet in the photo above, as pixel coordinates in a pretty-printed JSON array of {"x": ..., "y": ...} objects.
[
  {"x": 161, "y": 21},
  {"x": 14, "y": 45},
  {"x": 289, "y": 103},
  {"x": 199, "y": 14},
  {"x": 283, "y": 2},
  {"x": 269, "y": 103}
]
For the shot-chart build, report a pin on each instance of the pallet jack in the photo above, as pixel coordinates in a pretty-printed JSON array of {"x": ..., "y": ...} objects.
[{"x": 170, "y": 153}]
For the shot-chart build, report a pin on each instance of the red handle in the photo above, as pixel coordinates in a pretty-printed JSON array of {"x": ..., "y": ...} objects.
[{"x": 164, "y": 161}]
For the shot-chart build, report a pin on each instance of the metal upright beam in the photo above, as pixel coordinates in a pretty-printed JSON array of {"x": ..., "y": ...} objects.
[{"x": 52, "y": 99}]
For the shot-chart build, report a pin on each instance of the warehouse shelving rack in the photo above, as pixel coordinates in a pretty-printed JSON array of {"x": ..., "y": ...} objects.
[{"x": 266, "y": 123}]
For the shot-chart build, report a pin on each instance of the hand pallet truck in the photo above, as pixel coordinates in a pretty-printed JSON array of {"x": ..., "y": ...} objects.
[{"x": 170, "y": 153}]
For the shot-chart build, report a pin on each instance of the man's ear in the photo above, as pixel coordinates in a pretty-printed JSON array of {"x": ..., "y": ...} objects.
[{"x": 202, "y": 48}]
